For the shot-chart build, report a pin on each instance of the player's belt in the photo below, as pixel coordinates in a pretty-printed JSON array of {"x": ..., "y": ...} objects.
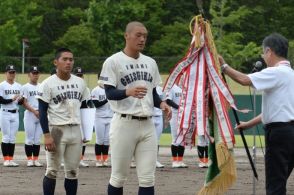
[
  {"x": 140, "y": 118},
  {"x": 11, "y": 111}
]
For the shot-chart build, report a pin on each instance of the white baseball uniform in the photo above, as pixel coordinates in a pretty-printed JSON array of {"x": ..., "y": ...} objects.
[
  {"x": 132, "y": 131},
  {"x": 32, "y": 125},
  {"x": 175, "y": 95},
  {"x": 64, "y": 101},
  {"x": 103, "y": 117},
  {"x": 9, "y": 112}
]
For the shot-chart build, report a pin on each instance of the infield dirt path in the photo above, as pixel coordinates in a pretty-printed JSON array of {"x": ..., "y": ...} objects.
[{"x": 169, "y": 181}]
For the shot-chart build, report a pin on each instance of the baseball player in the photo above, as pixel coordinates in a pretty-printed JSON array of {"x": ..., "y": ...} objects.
[
  {"x": 173, "y": 99},
  {"x": 130, "y": 79},
  {"x": 10, "y": 98},
  {"x": 33, "y": 130},
  {"x": 158, "y": 122},
  {"x": 78, "y": 71},
  {"x": 61, "y": 96},
  {"x": 103, "y": 117}
]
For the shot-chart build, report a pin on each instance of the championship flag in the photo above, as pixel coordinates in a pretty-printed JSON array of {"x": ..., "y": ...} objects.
[{"x": 203, "y": 108}]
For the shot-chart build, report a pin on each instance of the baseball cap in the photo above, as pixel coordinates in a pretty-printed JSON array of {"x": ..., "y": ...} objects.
[
  {"x": 78, "y": 71},
  {"x": 10, "y": 68},
  {"x": 34, "y": 69}
]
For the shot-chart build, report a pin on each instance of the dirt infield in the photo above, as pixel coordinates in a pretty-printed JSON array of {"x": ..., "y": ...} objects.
[{"x": 169, "y": 181}]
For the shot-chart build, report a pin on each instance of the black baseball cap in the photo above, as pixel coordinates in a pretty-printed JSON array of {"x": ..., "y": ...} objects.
[
  {"x": 10, "y": 68},
  {"x": 34, "y": 69},
  {"x": 78, "y": 71}
]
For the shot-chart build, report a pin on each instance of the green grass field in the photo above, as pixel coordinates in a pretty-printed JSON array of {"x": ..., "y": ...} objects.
[
  {"x": 165, "y": 139},
  {"x": 91, "y": 80}
]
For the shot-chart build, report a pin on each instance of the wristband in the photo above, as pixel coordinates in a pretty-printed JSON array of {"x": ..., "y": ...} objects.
[{"x": 223, "y": 67}]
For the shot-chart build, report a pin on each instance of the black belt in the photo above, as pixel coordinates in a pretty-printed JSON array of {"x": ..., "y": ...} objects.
[
  {"x": 278, "y": 124},
  {"x": 11, "y": 111},
  {"x": 72, "y": 125},
  {"x": 140, "y": 118}
]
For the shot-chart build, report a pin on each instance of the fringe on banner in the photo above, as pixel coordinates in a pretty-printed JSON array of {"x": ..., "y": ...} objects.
[{"x": 227, "y": 175}]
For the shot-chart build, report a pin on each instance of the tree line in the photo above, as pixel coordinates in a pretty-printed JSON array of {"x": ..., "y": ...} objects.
[{"x": 93, "y": 29}]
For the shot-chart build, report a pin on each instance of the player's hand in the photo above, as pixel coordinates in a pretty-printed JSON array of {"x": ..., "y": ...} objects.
[
  {"x": 137, "y": 92},
  {"x": 36, "y": 113},
  {"x": 49, "y": 143},
  {"x": 166, "y": 109},
  {"x": 15, "y": 97}
]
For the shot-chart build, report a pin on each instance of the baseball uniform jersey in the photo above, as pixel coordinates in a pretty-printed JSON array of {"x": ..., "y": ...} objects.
[{"x": 132, "y": 131}]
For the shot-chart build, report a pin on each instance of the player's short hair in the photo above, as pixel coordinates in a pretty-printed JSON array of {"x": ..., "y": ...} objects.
[
  {"x": 277, "y": 43},
  {"x": 132, "y": 24},
  {"x": 60, "y": 51}
]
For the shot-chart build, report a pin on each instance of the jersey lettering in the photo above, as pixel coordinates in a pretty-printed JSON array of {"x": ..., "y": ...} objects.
[
  {"x": 67, "y": 95},
  {"x": 9, "y": 91},
  {"x": 135, "y": 76}
]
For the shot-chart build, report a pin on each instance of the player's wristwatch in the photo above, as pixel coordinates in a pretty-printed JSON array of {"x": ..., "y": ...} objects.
[{"x": 223, "y": 67}]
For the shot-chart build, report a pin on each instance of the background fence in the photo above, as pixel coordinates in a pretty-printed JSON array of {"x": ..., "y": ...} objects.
[{"x": 243, "y": 101}]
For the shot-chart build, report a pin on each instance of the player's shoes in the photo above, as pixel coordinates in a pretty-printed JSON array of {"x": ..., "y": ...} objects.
[
  {"x": 133, "y": 164},
  {"x": 30, "y": 163},
  {"x": 106, "y": 164},
  {"x": 182, "y": 164},
  {"x": 38, "y": 164},
  {"x": 159, "y": 165},
  {"x": 84, "y": 164},
  {"x": 13, "y": 164},
  {"x": 176, "y": 164},
  {"x": 203, "y": 165},
  {"x": 6, "y": 163},
  {"x": 99, "y": 163}
]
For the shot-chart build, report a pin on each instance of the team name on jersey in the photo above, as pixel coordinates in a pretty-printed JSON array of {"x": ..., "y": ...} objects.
[
  {"x": 136, "y": 75},
  {"x": 101, "y": 97},
  {"x": 71, "y": 93},
  {"x": 67, "y": 95},
  {"x": 178, "y": 94},
  {"x": 33, "y": 93},
  {"x": 11, "y": 91}
]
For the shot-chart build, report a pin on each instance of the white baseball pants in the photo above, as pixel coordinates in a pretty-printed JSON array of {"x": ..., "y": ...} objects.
[
  {"x": 131, "y": 137},
  {"x": 9, "y": 124},
  {"x": 33, "y": 130}
]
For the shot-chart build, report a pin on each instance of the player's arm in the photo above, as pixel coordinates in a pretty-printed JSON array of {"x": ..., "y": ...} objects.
[
  {"x": 27, "y": 106},
  {"x": 7, "y": 101},
  {"x": 43, "y": 108},
  {"x": 156, "y": 99},
  {"x": 114, "y": 94},
  {"x": 48, "y": 140},
  {"x": 98, "y": 103},
  {"x": 161, "y": 104},
  {"x": 172, "y": 104}
]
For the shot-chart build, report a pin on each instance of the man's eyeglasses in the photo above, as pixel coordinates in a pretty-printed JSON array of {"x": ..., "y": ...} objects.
[
  {"x": 11, "y": 72},
  {"x": 35, "y": 73}
]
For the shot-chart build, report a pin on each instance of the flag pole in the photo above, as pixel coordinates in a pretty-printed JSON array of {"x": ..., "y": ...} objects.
[
  {"x": 243, "y": 138},
  {"x": 199, "y": 4}
]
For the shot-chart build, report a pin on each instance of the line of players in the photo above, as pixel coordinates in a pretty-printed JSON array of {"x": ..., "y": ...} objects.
[{"x": 12, "y": 94}]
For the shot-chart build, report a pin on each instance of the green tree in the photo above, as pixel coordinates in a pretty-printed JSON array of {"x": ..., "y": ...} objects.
[
  {"x": 108, "y": 19},
  {"x": 229, "y": 39}
]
